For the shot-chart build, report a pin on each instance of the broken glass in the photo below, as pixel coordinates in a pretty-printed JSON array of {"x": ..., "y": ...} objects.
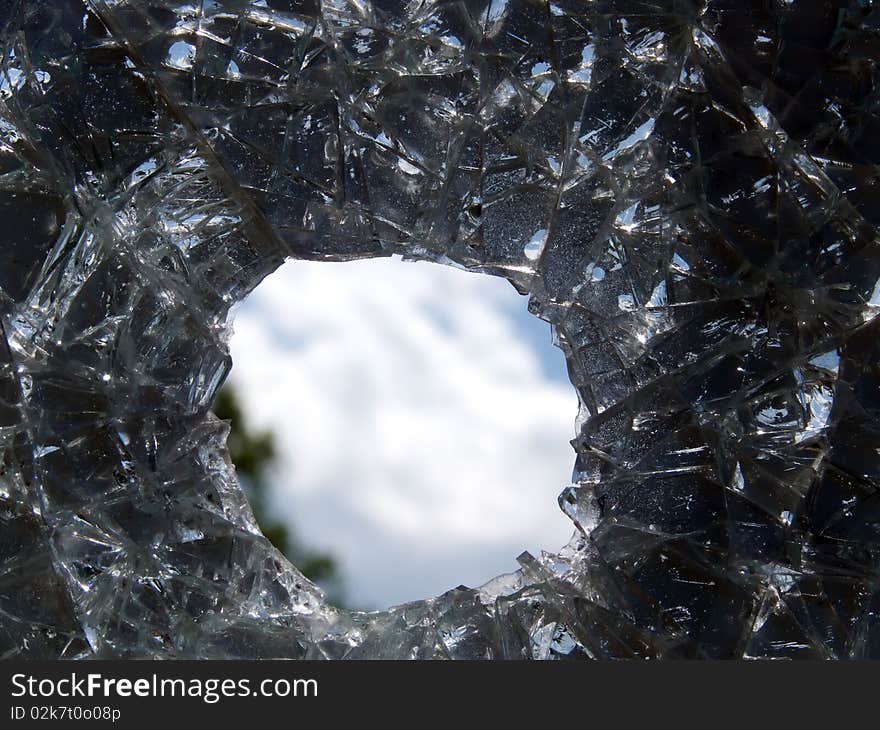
[{"x": 686, "y": 191}]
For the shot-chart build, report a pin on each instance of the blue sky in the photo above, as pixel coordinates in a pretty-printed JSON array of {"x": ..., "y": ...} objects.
[{"x": 423, "y": 419}]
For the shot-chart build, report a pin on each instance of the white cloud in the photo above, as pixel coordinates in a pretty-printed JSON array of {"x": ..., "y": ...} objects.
[{"x": 422, "y": 440}]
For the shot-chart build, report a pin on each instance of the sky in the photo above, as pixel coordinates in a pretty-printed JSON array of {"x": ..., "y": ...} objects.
[{"x": 422, "y": 418}]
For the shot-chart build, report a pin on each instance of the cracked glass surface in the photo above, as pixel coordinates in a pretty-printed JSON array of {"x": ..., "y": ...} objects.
[{"x": 687, "y": 191}]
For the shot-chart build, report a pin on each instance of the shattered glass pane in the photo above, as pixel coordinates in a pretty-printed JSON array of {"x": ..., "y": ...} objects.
[{"x": 687, "y": 192}]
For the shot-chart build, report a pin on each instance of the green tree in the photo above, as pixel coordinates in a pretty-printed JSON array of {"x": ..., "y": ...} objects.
[{"x": 253, "y": 453}]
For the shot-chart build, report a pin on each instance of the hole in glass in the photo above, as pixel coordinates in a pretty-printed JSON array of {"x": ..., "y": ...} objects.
[{"x": 420, "y": 414}]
